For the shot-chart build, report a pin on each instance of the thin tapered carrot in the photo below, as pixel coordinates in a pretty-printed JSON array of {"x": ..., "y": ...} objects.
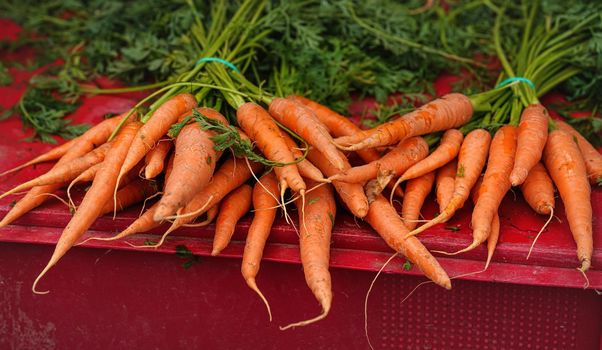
[
  {"x": 447, "y": 112},
  {"x": 64, "y": 172},
  {"x": 257, "y": 123},
  {"x": 532, "y": 135},
  {"x": 471, "y": 161},
  {"x": 306, "y": 169},
  {"x": 265, "y": 201},
  {"x": 538, "y": 190},
  {"x": 444, "y": 184},
  {"x": 132, "y": 193},
  {"x": 156, "y": 127},
  {"x": 155, "y": 159},
  {"x": 233, "y": 207},
  {"x": 448, "y": 149},
  {"x": 384, "y": 219},
  {"x": 416, "y": 192},
  {"x": 194, "y": 163},
  {"x": 316, "y": 220},
  {"x": 567, "y": 168},
  {"x": 495, "y": 224},
  {"x": 593, "y": 158},
  {"x": 100, "y": 192},
  {"x": 496, "y": 183},
  {"x": 338, "y": 125},
  {"x": 304, "y": 122},
  {"x": 352, "y": 195},
  {"x": 54, "y": 154},
  {"x": 395, "y": 162}
]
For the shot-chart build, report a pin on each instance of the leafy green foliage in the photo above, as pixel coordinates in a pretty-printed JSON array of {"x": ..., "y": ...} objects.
[
  {"x": 5, "y": 77},
  {"x": 190, "y": 259},
  {"x": 407, "y": 265}
]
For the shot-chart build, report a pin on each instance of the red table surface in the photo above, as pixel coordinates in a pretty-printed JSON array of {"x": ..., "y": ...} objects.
[{"x": 354, "y": 247}]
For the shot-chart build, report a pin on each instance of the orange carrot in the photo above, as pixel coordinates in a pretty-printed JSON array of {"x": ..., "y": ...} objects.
[
  {"x": 194, "y": 163},
  {"x": 395, "y": 162},
  {"x": 157, "y": 126},
  {"x": 416, "y": 192},
  {"x": 448, "y": 149},
  {"x": 444, "y": 183},
  {"x": 132, "y": 193},
  {"x": 100, "y": 192},
  {"x": 304, "y": 122},
  {"x": 532, "y": 135},
  {"x": 54, "y": 154},
  {"x": 471, "y": 161},
  {"x": 567, "y": 168},
  {"x": 261, "y": 128},
  {"x": 316, "y": 220},
  {"x": 233, "y": 207},
  {"x": 265, "y": 201},
  {"x": 155, "y": 159},
  {"x": 449, "y": 111},
  {"x": 495, "y": 225},
  {"x": 593, "y": 158},
  {"x": 496, "y": 182},
  {"x": 338, "y": 125},
  {"x": 384, "y": 219},
  {"x": 538, "y": 190},
  {"x": 306, "y": 169},
  {"x": 353, "y": 195},
  {"x": 64, "y": 172}
]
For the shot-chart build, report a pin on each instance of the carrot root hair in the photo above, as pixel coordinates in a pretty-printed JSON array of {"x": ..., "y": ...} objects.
[
  {"x": 472, "y": 246},
  {"x": 541, "y": 231},
  {"x": 306, "y": 322},
  {"x": 368, "y": 296},
  {"x": 253, "y": 285}
]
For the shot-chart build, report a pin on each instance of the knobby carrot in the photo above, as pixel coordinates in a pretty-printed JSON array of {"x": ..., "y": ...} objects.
[
  {"x": 261, "y": 128},
  {"x": 567, "y": 168},
  {"x": 234, "y": 206},
  {"x": 352, "y": 195},
  {"x": 532, "y": 135},
  {"x": 593, "y": 158},
  {"x": 193, "y": 165},
  {"x": 304, "y": 122},
  {"x": 155, "y": 159},
  {"x": 471, "y": 161},
  {"x": 416, "y": 192},
  {"x": 445, "y": 179},
  {"x": 384, "y": 219},
  {"x": 316, "y": 220},
  {"x": 395, "y": 162},
  {"x": 265, "y": 201},
  {"x": 92, "y": 204},
  {"x": 447, "y": 112}
]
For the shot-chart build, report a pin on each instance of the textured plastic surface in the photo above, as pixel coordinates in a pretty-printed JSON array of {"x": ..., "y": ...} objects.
[{"x": 115, "y": 298}]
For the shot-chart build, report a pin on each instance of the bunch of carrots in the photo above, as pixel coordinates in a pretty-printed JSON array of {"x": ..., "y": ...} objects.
[{"x": 259, "y": 151}]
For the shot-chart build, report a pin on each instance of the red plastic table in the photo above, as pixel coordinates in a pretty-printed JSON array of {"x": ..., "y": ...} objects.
[{"x": 116, "y": 296}]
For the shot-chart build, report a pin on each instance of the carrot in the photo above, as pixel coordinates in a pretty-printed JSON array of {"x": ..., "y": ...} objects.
[
  {"x": 132, "y": 193},
  {"x": 100, "y": 192},
  {"x": 353, "y": 195},
  {"x": 593, "y": 158},
  {"x": 64, "y": 172},
  {"x": 416, "y": 192},
  {"x": 265, "y": 200},
  {"x": 448, "y": 149},
  {"x": 538, "y": 190},
  {"x": 54, "y": 154},
  {"x": 157, "y": 126},
  {"x": 384, "y": 219},
  {"x": 316, "y": 219},
  {"x": 567, "y": 168},
  {"x": 261, "y": 128},
  {"x": 233, "y": 207},
  {"x": 304, "y": 122},
  {"x": 306, "y": 169},
  {"x": 449, "y": 111},
  {"x": 495, "y": 225},
  {"x": 496, "y": 183},
  {"x": 444, "y": 183},
  {"x": 193, "y": 164},
  {"x": 395, "y": 162},
  {"x": 337, "y": 124},
  {"x": 155, "y": 159},
  {"x": 532, "y": 135},
  {"x": 471, "y": 161}
]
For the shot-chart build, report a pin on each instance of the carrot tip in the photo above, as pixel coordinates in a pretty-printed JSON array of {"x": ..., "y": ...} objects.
[
  {"x": 253, "y": 285},
  {"x": 215, "y": 251},
  {"x": 306, "y": 322}
]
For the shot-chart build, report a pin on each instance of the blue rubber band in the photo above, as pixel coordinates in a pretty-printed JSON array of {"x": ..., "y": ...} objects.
[
  {"x": 220, "y": 60},
  {"x": 513, "y": 79}
]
